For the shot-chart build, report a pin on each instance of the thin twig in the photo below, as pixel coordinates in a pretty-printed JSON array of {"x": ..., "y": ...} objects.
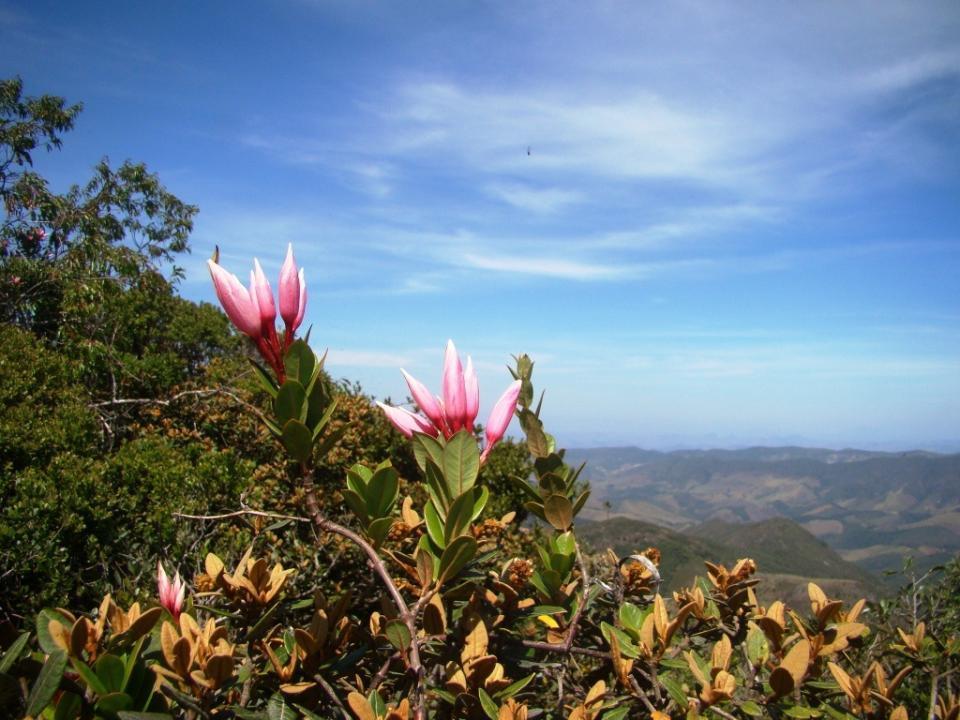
[
  {"x": 332, "y": 694},
  {"x": 382, "y": 672},
  {"x": 561, "y": 648},
  {"x": 239, "y": 513},
  {"x": 638, "y": 692}
]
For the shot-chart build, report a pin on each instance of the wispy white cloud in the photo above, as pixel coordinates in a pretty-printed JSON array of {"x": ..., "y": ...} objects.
[{"x": 537, "y": 200}]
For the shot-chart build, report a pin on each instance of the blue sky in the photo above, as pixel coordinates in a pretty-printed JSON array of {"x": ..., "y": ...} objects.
[{"x": 711, "y": 224}]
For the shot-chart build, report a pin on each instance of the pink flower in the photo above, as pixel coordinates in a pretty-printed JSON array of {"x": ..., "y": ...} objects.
[
  {"x": 254, "y": 312},
  {"x": 293, "y": 293},
  {"x": 238, "y": 303},
  {"x": 407, "y": 422},
  {"x": 171, "y": 595},
  {"x": 459, "y": 406},
  {"x": 500, "y": 416}
]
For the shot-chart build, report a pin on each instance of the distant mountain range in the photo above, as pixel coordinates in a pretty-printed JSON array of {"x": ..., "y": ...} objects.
[
  {"x": 788, "y": 556},
  {"x": 873, "y": 508}
]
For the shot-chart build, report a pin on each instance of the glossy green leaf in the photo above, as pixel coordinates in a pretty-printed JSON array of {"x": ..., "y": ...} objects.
[
  {"x": 751, "y": 708},
  {"x": 580, "y": 502},
  {"x": 47, "y": 682},
  {"x": 297, "y": 440},
  {"x": 457, "y": 554},
  {"x": 300, "y": 362},
  {"x": 13, "y": 652},
  {"x": 479, "y": 503},
  {"x": 434, "y": 525},
  {"x": 627, "y": 647},
  {"x": 461, "y": 463},
  {"x": 89, "y": 676},
  {"x": 266, "y": 380},
  {"x": 320, "y": 409},
  {"x": 458, "y": 517},
  {"x": 398, "y": 634},
  {"x": 290, "y": 403},
  {"x": 437, "y": 489},
  {"x": 44, "y": 618},
  {"x": 68, "y": 707},
  {"x": 490, "y": 708},
  {"x": 378, "y": 530},
  {"x": 559, "y": 511},
  {"x": 631, "y": 616},
  {"x": 113, "y": 703},
  {"x": 277, "y": 708},
  {"x": 377, "y": 704},
  {"x": 111, "y": 671},
  {"x": 512, "y": 689},
  {"x": 427, "y": 448},
  {"x": 382, "y": 491}
]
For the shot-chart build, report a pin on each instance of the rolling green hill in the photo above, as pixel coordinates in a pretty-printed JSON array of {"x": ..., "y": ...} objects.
[{"x": 787, "y": 555}]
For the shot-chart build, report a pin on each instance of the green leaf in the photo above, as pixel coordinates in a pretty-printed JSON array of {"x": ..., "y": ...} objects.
[
  {"x": 480, "y": 503},
  {"x": 319, "y": 410},
  {"x": 113, "y": 702},
  {"x": 631, "y": 616},
  {"x": 757, "y": 648},
  {"x": 13, "y": 652},
  {"x": 490, "y": 708},
  {"x": 300, "y": 362},
  {"x": 751, "y": 708},
  {"x": 264, "y": 378},
  {"x": 377, "y": 704},
  {"x": 674, "y": 690},
  {"x": 616, "y": 713},
  {"x": 458, "y": 517},
  {"x": 526, "y": 487},
  {"x": 89, "y": 676},
  {"x": 133, "y": 715},
  {"x": 277, "y": 709},
  {"x": 357, "y": 478},
  {"x": 47, "y": 682},
  {"x": 68, "y": 707},
  {"x": 398, "y": 634},
  {"x": 627, "y": 647},
  {"x": 559, "y": 511},
  {"x": 44, "y": 618},
  {"x": 461, "y": 463},
  {"x": 427, "y": 448},
  {"x": 111, "y": 671},
  {"x": 263, "y": 623},
  {"x": 290, "y": 403},
  {"x": 458, "y": 553},
  {"x": 512, "y": 689},
  {"x": 434, "y": 525},
  {"x": 378, "y": 529},
  {"x": 580, "y": 502},
  {"x": 566, "y": 543},
  {"x": 536, "y": 439},
  {"x": 382, "y": 491},
  {"x": 297, "y": 440}
]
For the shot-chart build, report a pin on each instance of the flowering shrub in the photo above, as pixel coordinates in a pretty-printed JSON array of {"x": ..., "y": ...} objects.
[{"x": 460, "y": 613}]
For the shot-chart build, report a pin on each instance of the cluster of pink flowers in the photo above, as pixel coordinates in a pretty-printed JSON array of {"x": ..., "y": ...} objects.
[
  {"x": 458, "y": 407},
  {"x": 171, "y": 594},
  {"x": 253, "y": 311}
]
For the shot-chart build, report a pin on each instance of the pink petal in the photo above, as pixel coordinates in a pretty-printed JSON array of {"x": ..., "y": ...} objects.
[
  {"x": 291, "y": 284},
  {"x": 502, "y": 414},
  {"x": 407, "y": 422},
  {"x": 472, "y": 391},
  {"x": 237, "y": 302},
  {"x": 454, "y": 393},
  {"x": 303, "y": 302},
  {"x": 264, "y": 295},
  {"x": 425, "y": 399}
]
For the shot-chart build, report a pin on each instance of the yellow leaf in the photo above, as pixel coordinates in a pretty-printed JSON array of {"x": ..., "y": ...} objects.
[
  {"x": 361, "y": 708},
  {"x": 548, "y": 621}
]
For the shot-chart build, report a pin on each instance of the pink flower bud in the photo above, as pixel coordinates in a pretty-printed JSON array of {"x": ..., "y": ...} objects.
[
  {"x": 261, "y": 290},
  {"x": 290, "y": 291},
  {"x": 171, "y": 595},
  {"x": 238, "y": 303},
  {"x": 472, "y": 391},
  {"x": 501, "y": 415},
  {"x": 454, "y": 392},
  {"x": 425, "y": 399},
  {"x": 407, "y": 422}
]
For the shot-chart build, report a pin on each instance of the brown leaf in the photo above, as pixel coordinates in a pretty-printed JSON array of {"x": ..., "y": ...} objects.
[
  {"x": 360, "y": 706},
  {"x": 781, "y": 682}
]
